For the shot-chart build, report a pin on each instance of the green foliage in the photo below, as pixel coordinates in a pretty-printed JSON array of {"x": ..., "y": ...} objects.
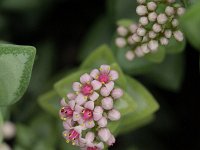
[
  {"x": 1, "y": 123},
  {"x": 16, "y": 64},
  {"x": 190, "y": 23}
]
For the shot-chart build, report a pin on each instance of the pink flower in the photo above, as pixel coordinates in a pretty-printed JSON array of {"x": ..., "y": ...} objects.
[
  {"x": 104, "y": 76},
  {"x": 117, "y": 93},
  {"x": 67, "y": 109},
  {"x": 85, "y": 89}
]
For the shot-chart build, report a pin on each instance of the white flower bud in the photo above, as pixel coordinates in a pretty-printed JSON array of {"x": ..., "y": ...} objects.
[
  {"x": 129, "y": 55},
  {"x": 144, "y": 21},
  {"x": 152, "y": 16},
  {"x": 171, "y": 1},
  {"x": 107, "y": 103},
  {"x": 169, "y": 11},
  {"x": 178, "y": 35},
  {"x": 151, "y": 6},
  {"x": 8, "y": 130},
  {"x": 104, "y": 134},
  {"x": 145, "y": 48},
  {"x": 180, "y": 11},
  {"x": 136, "y": 38},
  {"x": 122, "y": 31},
  {"x": 175, "y": 22},
  {"x": 164, "y": 41},
  {"x": 141, "y": 10},
  {"x": 139, "y": 52},
  {"x": 141, "y": 1},
  {"x": 133, "y": 28},
  {"x": 130, "y": 40},
  {"x": 102, "y": 122},
  {"x": 156, "y": 28},
  {"x": 162, "y": 18},
  {"x": 141, "y": 31},
  {"x": 145, "y": 38},
  {"x": 168, "y": 33},
  {"x": 117, "y": 93},
  {"x": 120, "y": 42},
  {"x": 114, "y": 115},
  {"x": 153, "y": 45},
  {"x": 152, "y": 34}
]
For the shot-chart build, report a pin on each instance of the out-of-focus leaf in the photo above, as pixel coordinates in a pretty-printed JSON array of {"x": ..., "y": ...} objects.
[
  {"x": 174, "y": 46},
  {"x": 146, "y": 105},
  {"x": 168, "y": 74},
  {"x": 1, "y": 124},
  {"x": 100, "y": 33},
  {"x": 157, "y": 56},
  {"x": 102, "y": 55},
  {"x": 137, "y": 66},
  {"x": 190, "y": 23},
  {"x": 124, "y": 22},
  {"x": 50, "y": 102},
  {"x": 16, "y": 64}
]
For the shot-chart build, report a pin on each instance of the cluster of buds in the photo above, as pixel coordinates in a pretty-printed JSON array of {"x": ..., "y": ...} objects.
[
  {"x": 89, "y": 108},
  {"x": 158, "y": 23}
]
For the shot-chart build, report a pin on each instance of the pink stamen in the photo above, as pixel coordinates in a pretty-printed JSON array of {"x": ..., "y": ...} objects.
[
  {"x": 87, "y": 89},
  {"x": 67, "y": 112},
  {"x": 87, "y": 114},
  {"x": 73, "y": 135},
  {"x": 103, "y": 78},
  {"x": 92, "y": 148}
]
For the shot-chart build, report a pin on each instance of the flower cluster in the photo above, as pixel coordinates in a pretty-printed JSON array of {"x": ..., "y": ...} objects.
[
  {"x": 88, "y": 109},
  {"x": 158, "y": 23}
]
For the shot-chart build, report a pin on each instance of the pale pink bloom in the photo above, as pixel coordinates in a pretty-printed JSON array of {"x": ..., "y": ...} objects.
[
  {"x": 85, "y": 89},
  {"x": 104, "y": 76},
  {"x": 117, "y": 93},
  {"x": 107, "y": 103},
  {"x": 67, "y": 109},
  {"x": 68, "y": 124},
  {"x": 73, "y": 135},
  {"x": 104, "y": 134},
  {"x": 71, "y": 96},
  {"x": 102, "y": 122},
  {"x": 114, "y": 115}
]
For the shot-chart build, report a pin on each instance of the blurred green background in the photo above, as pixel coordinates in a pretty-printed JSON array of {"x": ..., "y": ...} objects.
[{"x": 64, "y": 33}]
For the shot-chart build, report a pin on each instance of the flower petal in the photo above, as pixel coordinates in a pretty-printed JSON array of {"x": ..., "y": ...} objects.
[
  {"x": 89, "y": 137},
  {"x": 100, "y": 145},
  {"x": 104, "y": 91},
  {"x": 94, "y": 96},
  {"x": 117, "y": 93},
  {"x": 63, "y": 102},
  {"x": 85, "y": 78},
  {"x": 113, "y": 75},
  {"x": 71, "y": 96},
  {"x": 111, "y": 140},
  {"x": 104, "y": 134},
  {"x": 76, "y": 116},
  {"x": 102, "y": 122},
  {"x": 78, "y": 108},
  {"x": 76, "y": 86},
  {"x": 80, "y": 99},
  {"x": 96, "y": 85},
  {"x": 110, "y": 86},
  {"x": 72, "y": 104},
  {"x": 67, "y": 124},
  {"x": 95, "y": 73},
  {"x": 97, "y": 116},
  {"x": 66, "y": 134},
  {"x": 114, "y": 115},
  {"x": 104, "y": 69},
  {"x": 89, "y": 124},
  {"x": 89, "y": 105}
]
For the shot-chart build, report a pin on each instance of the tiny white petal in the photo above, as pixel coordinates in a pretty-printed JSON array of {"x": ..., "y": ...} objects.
[
  {"x": 110, "y": 85},
  {"x": 96, "y": 85},
  {"x": 95, "y": 73},
  {"x": 113, "y": 75},
  {"x": 80, "y": 99},
  {"x": 76, "y": 86},
  {"x": 94, "y": 96},
  {"x": 104, "y": 69},
  {"x": 89, "y": 124},
  {"x": 89, "y": 105},
  {"x": 85, "y": 78}
]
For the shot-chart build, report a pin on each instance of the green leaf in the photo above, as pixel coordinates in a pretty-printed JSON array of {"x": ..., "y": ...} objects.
[
  {"x": 168, "y": 74},
  {"x": 190, "y": 23},
  {"x": 102, "y": 55},
  {"x": 124, "y": 22},
  {"x": 16, "y": 64},
  {"x": 1, "y": 124},
  {"x": 50, "y": 102},
  {"x": 137, "y": 66},
  {"x": 157, "y": 56},
  {"x": 174, "y": 46},
  {"x": 146, "y": 106},
  {"x": 100, "y": 33}
]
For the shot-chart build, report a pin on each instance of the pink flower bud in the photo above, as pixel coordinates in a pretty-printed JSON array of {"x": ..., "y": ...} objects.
[
  {"x": 117, "y": 93},
  {"x": 113, "y": 75},
  {"x": 104, "y": 134},
  {"x": 111, "y": 140},
  {"x": 89, "y": 137},
  {"x": 97, "y": 113},
  {"x": 102, "y": 122},
  {"x": 71, "y": 96},
  {"x": 76, "y": 86},
  {"x": 95, "y": 73},
  {"x": 114, "y": 115},
  {"x": 85, "y": 78},
  {"x": 104, "y": 91},
  {"x": 107, "y": 103},
  {"x": 130, "y": 55}
]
